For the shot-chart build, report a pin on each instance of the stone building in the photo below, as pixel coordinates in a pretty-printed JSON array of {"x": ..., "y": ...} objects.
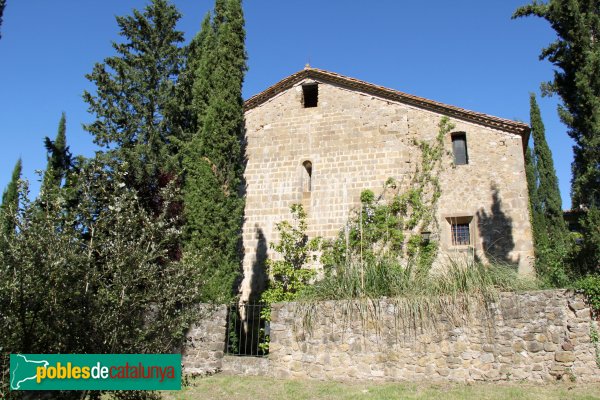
[{"x": 320, "y": 138}]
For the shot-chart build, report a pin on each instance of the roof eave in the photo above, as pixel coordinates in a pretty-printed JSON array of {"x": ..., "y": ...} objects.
[{"x": 390, "y": 94}]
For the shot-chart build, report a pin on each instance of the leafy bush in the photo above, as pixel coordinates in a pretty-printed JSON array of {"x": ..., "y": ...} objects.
[
  {"x": 587, "y": 260},
  {"x": 291, "y": 274},
  {"x": 96, "y": 275},
  {"x": 552, "y": 264},
  {"x": 590, "y": 287}
]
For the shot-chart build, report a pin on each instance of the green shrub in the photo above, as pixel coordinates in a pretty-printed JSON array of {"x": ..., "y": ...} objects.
[
  {"x": 590, "y": 287},
  {"x": 289, "y": 275}
]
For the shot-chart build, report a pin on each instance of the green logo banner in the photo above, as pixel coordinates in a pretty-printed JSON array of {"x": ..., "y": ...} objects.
[{"x": 95, "y": 371}]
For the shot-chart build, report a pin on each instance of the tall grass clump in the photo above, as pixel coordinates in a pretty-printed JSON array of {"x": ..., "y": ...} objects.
[
  {"x": 454, "y": 293},
  {"x": 384, "y": 277}
]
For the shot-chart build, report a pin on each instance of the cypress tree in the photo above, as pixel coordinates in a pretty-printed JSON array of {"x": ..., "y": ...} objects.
[
  {"x": 537, "y": 221},
  {"x": 184, "y": 111},
  {"x": 213, "y": 158},
  {"x": 548, "y": 226},
  {"x": 547, "y": 196},
  {"x": 576, "y": 54},
  {"x": 135, "y": 92},
  {"x": 59, "y": 158},
  {"x": 10, "y": 202}
]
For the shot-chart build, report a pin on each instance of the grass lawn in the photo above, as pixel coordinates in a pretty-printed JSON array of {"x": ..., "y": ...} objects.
[{"x": 258, "y": 388}]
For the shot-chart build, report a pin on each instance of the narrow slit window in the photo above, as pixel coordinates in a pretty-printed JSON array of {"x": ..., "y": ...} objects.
[
  {"x": 310, "y": 95},
  {"x": 459, "y": 148},
  {"x": 461, "y": 235},
  {"x": 307, "y": 181}
]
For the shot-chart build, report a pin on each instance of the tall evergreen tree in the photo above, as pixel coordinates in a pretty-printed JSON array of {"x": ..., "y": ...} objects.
[
  {"x": 59, "y": 158},
  {"x": 537, "y": 221},
  {"x": 576, "y": 54},
  {"x": 214, "y": 157},
  {"x": 10, "y": 202},
  {"x": 184, "y": 112},
  {"x": 135, "y": 92},
  {"x": 2, "y": 5},
  {"x": 548, "y": 226},
  {"x": 549, "y": 202}
]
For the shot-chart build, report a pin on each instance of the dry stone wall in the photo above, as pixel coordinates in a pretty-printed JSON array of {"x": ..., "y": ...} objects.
[
  {"x": 536, "y": 336},
  {"x": 205, "y": 341}
]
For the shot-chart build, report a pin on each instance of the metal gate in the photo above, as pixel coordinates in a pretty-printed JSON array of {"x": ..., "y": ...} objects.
[{"x": 247, "y": 332}]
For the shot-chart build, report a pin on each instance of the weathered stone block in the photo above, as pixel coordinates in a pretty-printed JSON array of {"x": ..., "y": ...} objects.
[{"x": 564, "y": 356}]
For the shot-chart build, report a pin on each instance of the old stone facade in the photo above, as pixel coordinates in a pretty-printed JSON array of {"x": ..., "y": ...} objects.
[
  {"x": 536, "y": 336},
  {"x": 320, "y": 139}
]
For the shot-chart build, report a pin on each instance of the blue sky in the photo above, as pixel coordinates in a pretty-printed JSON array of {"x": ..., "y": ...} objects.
[{"x": 466, "y": 53}]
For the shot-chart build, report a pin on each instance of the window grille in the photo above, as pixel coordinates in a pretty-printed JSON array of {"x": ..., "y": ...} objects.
[{"x": 461, "y": 236}]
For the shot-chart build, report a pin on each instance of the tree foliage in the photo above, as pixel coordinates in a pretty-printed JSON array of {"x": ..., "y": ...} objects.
[
  {"x": 290, "y": 274},
  {"x": 10, "y": 204},
  {"x": 550, "y": 233},
  {"x": 532, "y": 183},
  {"x": 98, "y": 279},
  {"x": 59, "y": 159},
  {"x": 96, "y": 267},
  {"x": 135, "y": 91},
  {"x": 214, "y": 157},
  {"x": 185, "y": 111},
  {"x": 588, "y": 257},
  {"x": 576, "y": 54},
  {"x": 2, "y": 6},
  {"x": 548, "y": 200}
]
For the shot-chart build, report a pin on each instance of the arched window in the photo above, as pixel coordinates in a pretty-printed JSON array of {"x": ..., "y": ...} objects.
[{"x": 307, "y": 176}]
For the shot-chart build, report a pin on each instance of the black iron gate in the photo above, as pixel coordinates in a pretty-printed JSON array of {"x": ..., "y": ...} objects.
[{"x": 247, "y": 331}]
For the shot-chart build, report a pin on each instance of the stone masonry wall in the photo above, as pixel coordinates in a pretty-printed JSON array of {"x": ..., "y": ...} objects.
[
  {"x": 205, "y": 341},
  {"x": 357, "y": 141},
  {"x": 535, "y": 336}
]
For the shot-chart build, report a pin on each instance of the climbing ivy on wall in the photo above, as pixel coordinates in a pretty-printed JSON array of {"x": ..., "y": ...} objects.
[
  {"x": 290, "y": 274},
  {"x": 391, "y": 225}
]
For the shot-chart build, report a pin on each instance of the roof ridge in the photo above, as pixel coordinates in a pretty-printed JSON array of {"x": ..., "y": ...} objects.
[{"x": 392, "y": 94}]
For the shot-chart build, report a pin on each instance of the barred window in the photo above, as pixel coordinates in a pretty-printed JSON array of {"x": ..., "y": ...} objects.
[{"x": 461, "y": 236}]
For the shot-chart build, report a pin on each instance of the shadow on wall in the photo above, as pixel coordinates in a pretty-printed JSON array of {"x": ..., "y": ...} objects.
[
  {"x": 258, "y": 279},
  {"x": 495, "y": 230}
]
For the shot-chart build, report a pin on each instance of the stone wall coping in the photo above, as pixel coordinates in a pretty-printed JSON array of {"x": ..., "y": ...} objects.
[{"x": 563, "y": 291}]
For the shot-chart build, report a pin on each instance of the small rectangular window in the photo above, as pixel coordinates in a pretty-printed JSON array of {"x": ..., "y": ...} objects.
[
  {"x": 461, "y": 236},
  {"x": 459, "y": 148},
  {"x": 310, "y": 95}
]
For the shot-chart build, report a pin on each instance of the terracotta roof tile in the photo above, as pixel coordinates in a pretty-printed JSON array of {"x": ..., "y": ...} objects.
[{"x": 391, "y": 94}]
